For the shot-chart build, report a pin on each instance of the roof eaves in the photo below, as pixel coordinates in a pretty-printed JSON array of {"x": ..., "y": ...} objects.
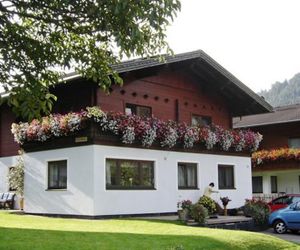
[
  {"x": 265, "y": 124},
  {"x": 236, "y": 81}
]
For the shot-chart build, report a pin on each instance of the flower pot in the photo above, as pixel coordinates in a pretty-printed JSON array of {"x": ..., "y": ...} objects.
[
  {"x": 183, "y": 215},
  {"x": 21, "y": 203},
  {"x": 225, "y": 211}
]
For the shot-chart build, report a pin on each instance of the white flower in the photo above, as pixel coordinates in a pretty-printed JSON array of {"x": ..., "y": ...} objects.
[
  {"x": 226, "y": 140},
  {"x": 149, "y": 137},
  {"x": 211, "y": 140},
  {"x": 190, "y": 137},
  {"x": 128, "y": 135},
  {"x": 170, "y": 139}
]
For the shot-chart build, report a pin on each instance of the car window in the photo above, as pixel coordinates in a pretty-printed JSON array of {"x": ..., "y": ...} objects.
[
  {"x": 297, "y": 206},
  {"x": 296, "y": 198},
  {"x": 278, "y": 201},
  {"x": 286, "y": 200},
  {"x": 290, "y": 200}
]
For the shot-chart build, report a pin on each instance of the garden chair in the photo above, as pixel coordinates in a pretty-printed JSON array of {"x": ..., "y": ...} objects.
[{"x": 7, "y": 200}]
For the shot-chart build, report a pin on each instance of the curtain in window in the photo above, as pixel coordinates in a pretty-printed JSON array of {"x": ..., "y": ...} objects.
[
  {"x": 226, "y": 177},
  {"x": 181, "y": 179},
  {"x": 257, "y": 186},
  {"x": 108, "y": 172},
  {"x": 62, "y": 176},
  {"x": 273, "y": 184},
  {"x": 191, "y": 176},
  {"x": 53, "y": 175},
  {"x": 57, "y": 174}
]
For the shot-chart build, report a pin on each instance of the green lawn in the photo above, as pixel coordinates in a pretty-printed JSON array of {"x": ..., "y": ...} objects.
[{"x": 33, "y": 232}]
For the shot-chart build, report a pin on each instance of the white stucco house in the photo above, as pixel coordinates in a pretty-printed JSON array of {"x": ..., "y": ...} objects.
[
  {"x": 276, "y": 166},
  {"x": 94, "y": 163}
]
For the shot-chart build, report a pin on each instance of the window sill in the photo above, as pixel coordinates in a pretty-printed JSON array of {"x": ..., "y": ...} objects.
[
  {"x": 188, "y": 188},
  {"x": 56, "y": 189},
  {"x": 227, "y": 188},
  {"x": 129, "y": 188}
]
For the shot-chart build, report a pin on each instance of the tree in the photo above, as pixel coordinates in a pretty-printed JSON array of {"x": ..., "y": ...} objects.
[
  {"x": 39, "y": 39},
  {"x": 16, "y": 176}
]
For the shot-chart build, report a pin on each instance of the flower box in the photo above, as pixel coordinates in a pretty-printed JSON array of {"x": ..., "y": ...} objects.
[{"x": 93, "y": 126}]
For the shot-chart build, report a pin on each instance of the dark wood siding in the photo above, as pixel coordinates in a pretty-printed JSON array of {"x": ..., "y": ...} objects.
[
  {"x": 7, "y": 145},
  {"x": 277, "y": 135},
  {"x": 166, "y": 92},
  {"x": 172, "y": 94},
  {"x": 73, "y": 96}
]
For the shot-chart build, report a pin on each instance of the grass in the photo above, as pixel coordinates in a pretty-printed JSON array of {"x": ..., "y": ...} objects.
[{"x": 33, "y": 232}]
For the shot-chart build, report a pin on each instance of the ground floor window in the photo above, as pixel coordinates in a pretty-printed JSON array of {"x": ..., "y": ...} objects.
[
  {"x": 226, "y": 176},
  {"x": 274, "y": 184},
  {"x": 129, "y": 174},
  {"x": 187, "y": 175},
  {"x": 257, "y": 184},
  {"x": 57, "y": 174}
]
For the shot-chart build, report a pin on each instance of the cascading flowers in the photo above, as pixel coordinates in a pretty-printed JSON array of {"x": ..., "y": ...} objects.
[
  {"x": 275, "y": 155},
  {"x": 135, "y": 129}
]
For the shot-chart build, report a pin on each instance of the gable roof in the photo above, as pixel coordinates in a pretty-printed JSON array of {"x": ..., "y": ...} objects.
[
  {"x": 283, "y": 114},
  {"x": 242, "y": 100}
]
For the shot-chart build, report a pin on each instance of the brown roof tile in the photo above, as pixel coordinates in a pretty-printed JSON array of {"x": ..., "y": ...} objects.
[{"x": 283, "y": 114}]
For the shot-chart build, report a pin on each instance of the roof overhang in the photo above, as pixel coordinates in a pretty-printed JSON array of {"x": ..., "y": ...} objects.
[{"x": 242, "y": 100}]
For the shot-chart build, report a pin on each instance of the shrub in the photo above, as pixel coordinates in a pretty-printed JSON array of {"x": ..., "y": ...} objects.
[
  {"x": 185, "y": 213},
  {"x": 199, "y": 213},
  {"x": 16, "y": 176},
  {"x": 208, "y": 203},
  {"x": 258, "y": 210},
  {"x": 185, "y": 204}
]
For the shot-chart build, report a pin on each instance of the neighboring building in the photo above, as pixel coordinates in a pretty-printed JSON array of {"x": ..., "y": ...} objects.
[
  {"x": 93, "y": 174},
  {"x": 276, "y": 169}
]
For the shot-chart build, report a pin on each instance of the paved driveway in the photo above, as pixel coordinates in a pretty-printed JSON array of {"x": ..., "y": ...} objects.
[{"x": 294, "y": 237}]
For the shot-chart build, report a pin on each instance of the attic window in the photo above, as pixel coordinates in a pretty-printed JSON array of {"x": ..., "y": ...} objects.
[
  {"x": 133, "y": 109},
  {"x": 200, "y": 120}
]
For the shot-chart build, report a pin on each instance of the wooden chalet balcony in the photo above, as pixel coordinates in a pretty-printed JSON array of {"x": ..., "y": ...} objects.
[
  {"x": 92, "y": 135},
  {"x": 276, "y": 159},
  {"x": 278, "y": 165}
]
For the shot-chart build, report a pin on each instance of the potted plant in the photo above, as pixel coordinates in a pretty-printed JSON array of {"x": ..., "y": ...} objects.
[
  {"x": 199, "y": 213},
  {"x": 225, "y": 201},
  {"x": 209, "y": 204},
  {"x": 184, "y": 209}
]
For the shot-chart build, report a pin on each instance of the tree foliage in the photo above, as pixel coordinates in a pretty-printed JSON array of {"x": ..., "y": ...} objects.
[{"x": 39, "y": 39}]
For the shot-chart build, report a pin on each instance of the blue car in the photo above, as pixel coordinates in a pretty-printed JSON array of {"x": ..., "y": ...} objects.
[{"x": 285, "y": 219}]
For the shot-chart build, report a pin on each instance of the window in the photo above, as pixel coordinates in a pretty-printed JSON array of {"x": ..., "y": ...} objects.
[
  {"x": 226, "y": 177},
  {"x": 187, "y": 175},
  {"x": 294, "y": 142},
  {"x": 273, "y": 184},
  {"x": 257, "y": 184},
  {"x": 57, "y": 174},
  {"x": 133, "y": 109},
  {"x": 281, "y": 200},
  {"x": 129, "y": 174},
  {"x": 200, "y": 120}
]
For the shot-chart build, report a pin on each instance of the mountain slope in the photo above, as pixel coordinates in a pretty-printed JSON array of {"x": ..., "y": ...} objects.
[{"x": 283, "y": 93}]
